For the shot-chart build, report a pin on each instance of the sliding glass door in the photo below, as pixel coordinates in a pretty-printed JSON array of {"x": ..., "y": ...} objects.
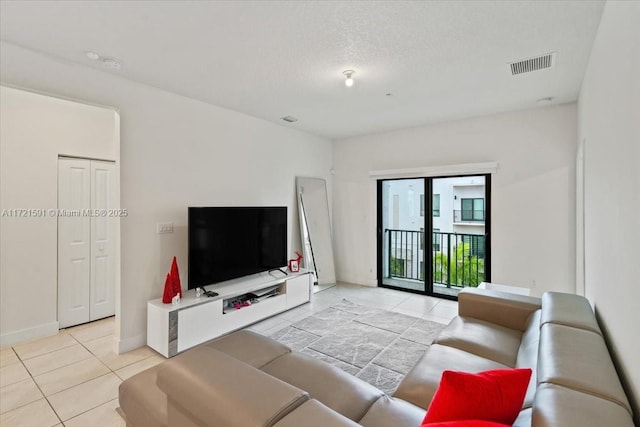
[{"x": 433, "y": 234}]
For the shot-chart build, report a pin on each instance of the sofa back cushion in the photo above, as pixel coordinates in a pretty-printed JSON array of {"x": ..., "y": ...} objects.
[
  {"x": 578, "y": 359},
  {"x": 482, "y": 338},
  {"x": 528, "y": 354},
  {"x": 555, "y": 405},
  {"x": 204, "y": 384},
  {"x": 569, "y": 310},
  {"x": 249, "y": 347},
  {"x": 333, "y": 387}
]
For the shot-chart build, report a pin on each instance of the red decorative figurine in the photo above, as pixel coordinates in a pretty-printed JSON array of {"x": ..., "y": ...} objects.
[
  {"x": 294, "y": 264},
  {"x": 172, "y": 286}
]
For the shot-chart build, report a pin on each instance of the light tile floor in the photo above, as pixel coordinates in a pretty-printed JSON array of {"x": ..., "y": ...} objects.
[{"x": 72, "y": 378}]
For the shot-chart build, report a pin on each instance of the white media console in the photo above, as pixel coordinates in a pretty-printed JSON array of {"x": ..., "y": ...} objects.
[{"x": 173, "y": 328}]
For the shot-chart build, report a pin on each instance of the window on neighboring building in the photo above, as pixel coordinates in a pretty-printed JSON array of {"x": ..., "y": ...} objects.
[
  {"x": 473, "y": 209},
  {"x": 422, "y": 205},
  {"x": 436, "y": 239},
  {"x": 436, "y": 205}
]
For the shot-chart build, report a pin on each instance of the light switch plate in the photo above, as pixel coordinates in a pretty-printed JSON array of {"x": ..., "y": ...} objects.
[{"x": 164, "y": 227}]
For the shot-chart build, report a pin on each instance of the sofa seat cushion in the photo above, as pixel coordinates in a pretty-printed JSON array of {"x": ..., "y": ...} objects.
[
  {"x": 421, "y": 383},
  {"x": 483, "y": 339},
  {"x": 389, "y": 411},
  {"x": 314, "y": 414},
  {"x": 579, "y": 359},
  {"x": 344, "y": 393},
  {"x": 559, "y": 406},
  {"x": 249, "y": 347},
  {"x": 143, "y": 403}
]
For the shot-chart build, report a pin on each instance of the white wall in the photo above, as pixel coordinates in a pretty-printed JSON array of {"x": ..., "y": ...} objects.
[
  {"x": 176, "y": 152},
  {"x": 609, "y": 125},
  {"x": 34, "y": 130},
  {"x": 533, "y": 191}
]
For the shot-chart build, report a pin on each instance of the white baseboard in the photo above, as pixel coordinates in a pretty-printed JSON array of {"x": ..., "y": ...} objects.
[
  {"x": 362, "y": 282},
  {"x": 128, "y": 344},
  {"x": 28, "y": 334}
]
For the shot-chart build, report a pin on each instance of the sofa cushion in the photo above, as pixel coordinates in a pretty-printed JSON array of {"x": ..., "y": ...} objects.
[
  {"x": 249, "y": 347},
  {"x": 559, "y": 406},
  {"x": 569, "y": 310},
  {"x": 495, "y": 395},
  {"x": 499, "y": 308},
  {"x": 482, "y": 338},
  {"x": 144, "y": 404},
  {"x": 344, "y": 393},
  {"x": 528, "y": 354},
  {"x": 314, "y": 414},
  {"x": 420, "y": 384},
  {"x": 578, "y": 359},
  {"x": 204, "y": 384},
  {"x": 524, "y": 418},
  {"x": 389, "y": 411}
]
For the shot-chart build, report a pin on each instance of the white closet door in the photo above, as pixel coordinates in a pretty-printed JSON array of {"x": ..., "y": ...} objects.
[
  {"x": 103, "y": 237},
  {"x": 74, "y": 241}
]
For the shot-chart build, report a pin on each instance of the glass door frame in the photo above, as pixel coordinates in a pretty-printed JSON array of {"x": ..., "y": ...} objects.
[{"x": 428, "y": 227}]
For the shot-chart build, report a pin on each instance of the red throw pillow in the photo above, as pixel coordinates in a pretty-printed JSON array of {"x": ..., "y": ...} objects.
[
  {"x": 495, "y": 395},
  {"x": 465, "y": 423}
]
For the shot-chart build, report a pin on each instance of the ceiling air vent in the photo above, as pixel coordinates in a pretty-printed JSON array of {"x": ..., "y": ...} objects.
[
  {"x": 289, "y": 119},
  {"x": 533, "y": 64}
]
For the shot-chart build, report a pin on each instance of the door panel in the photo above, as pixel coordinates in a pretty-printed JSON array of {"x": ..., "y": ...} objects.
[
  {"x": 86, "y": 240},
  {"x": 74, "y": 246},
  {"x": 103, "y": 229},
  {"x": 459, "y": 257},
  {"x": 402, "y": 231}
]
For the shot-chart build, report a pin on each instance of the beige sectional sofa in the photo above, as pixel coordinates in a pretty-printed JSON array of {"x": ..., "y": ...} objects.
[{"x": 247, "y": 380}]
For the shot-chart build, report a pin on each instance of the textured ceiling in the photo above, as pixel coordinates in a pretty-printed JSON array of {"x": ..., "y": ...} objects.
[{"x": 438, "y": 60}]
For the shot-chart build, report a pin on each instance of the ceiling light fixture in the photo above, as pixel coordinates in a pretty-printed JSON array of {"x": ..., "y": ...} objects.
[
  {"x": 349, "y": 81},
  {"x": 92, "y": 55}
]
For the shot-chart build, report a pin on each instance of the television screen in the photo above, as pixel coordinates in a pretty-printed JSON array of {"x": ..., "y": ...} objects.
[{"x": 230, "y": 242}]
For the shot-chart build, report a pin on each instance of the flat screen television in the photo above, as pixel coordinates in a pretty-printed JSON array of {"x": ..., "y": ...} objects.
[{"x": 230, "y": 242}]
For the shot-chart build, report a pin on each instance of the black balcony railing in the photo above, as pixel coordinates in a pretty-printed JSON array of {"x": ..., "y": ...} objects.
[
  {"x": 468, "y": 215},
  {"x": 458, "y": 259}
]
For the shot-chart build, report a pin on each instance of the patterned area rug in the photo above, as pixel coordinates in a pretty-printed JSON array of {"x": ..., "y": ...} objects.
[{"x": 377, "y": 346}]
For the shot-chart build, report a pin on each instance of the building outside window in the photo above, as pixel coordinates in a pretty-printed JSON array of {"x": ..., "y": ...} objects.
[
  {"x": 436, "y": 205},
  {"x": 473, "y": 209}
]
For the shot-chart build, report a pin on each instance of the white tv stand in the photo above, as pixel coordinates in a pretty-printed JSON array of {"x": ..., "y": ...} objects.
[{"x": 172, "y": 329}]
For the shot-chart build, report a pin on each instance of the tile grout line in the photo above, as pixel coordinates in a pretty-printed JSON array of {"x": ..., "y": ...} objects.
[
  {"x": 90, "y": 409},
  {"x": 92, "y": 355},
  {"x": 37, "y": 386}
]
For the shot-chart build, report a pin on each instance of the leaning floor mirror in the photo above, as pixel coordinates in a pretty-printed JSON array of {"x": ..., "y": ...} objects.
[{"x": 315, "y": 229}]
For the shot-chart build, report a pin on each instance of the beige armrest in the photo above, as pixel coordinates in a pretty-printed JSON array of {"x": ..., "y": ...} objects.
[
  {"x": 207, "y": 387},
  {"x": 502, "y": 308}
]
